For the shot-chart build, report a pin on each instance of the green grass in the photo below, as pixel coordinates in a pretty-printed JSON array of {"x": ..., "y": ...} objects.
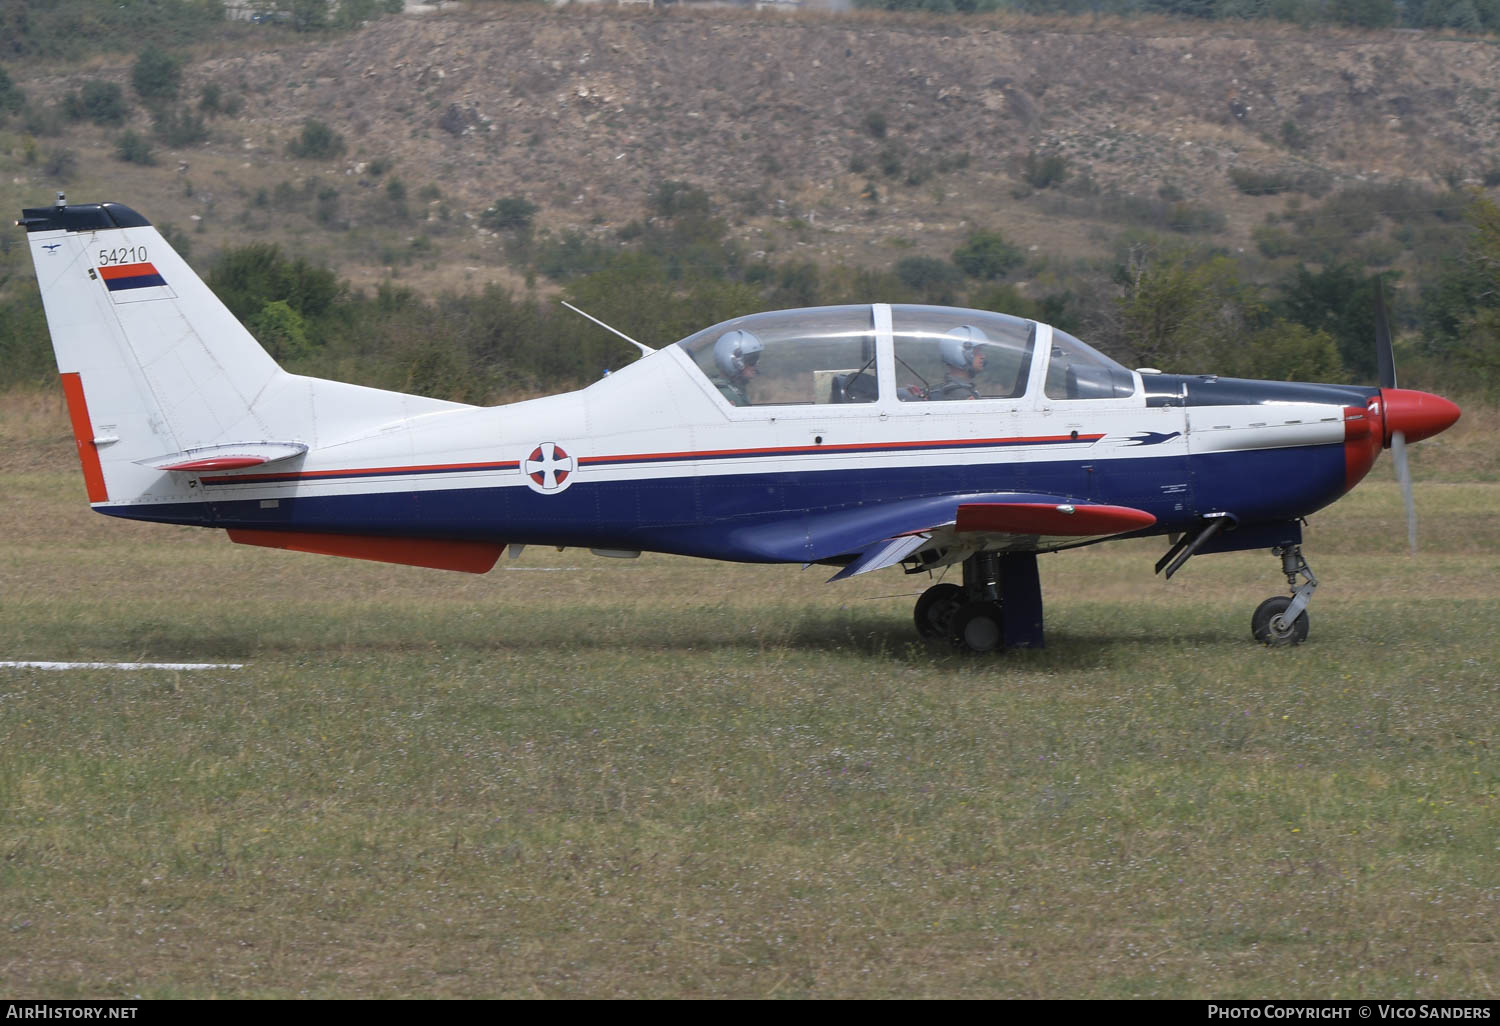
[{"x": 593, "y": 778}]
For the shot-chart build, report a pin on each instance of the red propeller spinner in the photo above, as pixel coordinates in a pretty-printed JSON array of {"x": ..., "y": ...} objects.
[{"x": 1417, "y": 415}]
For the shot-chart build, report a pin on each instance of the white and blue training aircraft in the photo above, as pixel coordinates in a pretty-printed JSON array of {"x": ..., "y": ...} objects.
[{"x": 860, "y": 437}]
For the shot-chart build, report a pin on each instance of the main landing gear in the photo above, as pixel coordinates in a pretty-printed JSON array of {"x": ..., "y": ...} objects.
[
  {"x": 998, "y": 606},
  {"x": 1280, "y": 620}
]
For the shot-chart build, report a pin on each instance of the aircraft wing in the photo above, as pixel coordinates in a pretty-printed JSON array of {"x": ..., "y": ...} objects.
[{"x": 1032, "y": 525}]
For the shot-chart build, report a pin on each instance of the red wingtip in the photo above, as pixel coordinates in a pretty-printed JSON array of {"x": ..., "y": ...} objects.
[{"x": 1417, "y": 415}]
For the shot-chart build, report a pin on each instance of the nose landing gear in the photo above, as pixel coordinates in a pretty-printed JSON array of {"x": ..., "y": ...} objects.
[{"x": 1280, "y": 620}]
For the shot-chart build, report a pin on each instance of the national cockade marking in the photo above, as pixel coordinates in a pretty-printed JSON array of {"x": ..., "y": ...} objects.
[{"x": 549, "y": 467}]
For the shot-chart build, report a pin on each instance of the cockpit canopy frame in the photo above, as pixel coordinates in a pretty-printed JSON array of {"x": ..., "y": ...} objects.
[{"x": 903, "y": 353}]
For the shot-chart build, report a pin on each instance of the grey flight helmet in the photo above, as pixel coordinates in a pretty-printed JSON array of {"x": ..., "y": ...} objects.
[{"x": 735, "y": 351}]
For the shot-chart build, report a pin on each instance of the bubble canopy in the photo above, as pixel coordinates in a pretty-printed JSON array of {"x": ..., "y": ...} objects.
[{"x": 912, "y": 354}]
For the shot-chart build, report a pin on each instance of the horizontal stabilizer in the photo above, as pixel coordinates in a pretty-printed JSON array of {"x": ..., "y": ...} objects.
[
  {"x": 437, "y": 553},
  {"x": 1061, "y": 520},
  {"x": 229, "y": 456}
]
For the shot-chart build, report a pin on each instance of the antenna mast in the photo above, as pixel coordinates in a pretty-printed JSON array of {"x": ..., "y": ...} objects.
[{"x": 645, "y": 349}]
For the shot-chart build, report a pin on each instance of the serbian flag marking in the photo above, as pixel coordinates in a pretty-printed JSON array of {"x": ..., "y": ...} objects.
[{"x": 132, "y": 283}]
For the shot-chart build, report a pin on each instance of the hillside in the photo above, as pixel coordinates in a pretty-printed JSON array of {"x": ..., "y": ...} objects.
[{"x": 855, "y": 138}]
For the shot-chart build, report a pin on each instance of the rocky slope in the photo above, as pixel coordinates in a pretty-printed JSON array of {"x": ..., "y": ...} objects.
[{"x": 781, "y": 117}]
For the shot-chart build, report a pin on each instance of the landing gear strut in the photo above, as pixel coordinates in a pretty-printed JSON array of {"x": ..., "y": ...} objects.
[
  {"x": 999, "y": 605},
  {"x": 1280, "y": 620}
]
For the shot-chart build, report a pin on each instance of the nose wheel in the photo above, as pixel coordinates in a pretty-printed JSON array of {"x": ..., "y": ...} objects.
[{"x": 1281, "y": 620}]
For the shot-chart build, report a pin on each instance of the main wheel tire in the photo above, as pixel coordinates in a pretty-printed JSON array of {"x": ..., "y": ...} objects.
[
  {"x": 1269, "y": 628},
  {"x": 978, "y": 627},
  {"x": 935, "y": 609}
]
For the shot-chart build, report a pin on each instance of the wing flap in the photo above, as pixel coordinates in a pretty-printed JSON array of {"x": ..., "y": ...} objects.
[{"x": 884, "y": 554}]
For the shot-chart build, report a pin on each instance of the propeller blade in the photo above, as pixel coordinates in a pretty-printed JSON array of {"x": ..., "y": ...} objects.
[
  {"x": 1403, "y": 474},
  {"x": 1385, "y": 353}
]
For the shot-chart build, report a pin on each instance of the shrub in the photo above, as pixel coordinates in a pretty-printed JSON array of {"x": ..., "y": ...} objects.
[
  {"x": 247, "y": 277},
  {"x": 316, "y": 142},
  {"x": 677, "y": 199},
  {"x": 328, "y": 206},
  {"x": 179, "y": 127},
  {"x": 306, "y": 15},
  {"x": 210, "y": 97},
  {"x": 455, "y": 121},
  {"x": 986, "y": 255},
  {"x": 1257, "y": 182},
  {"x": 11, "y": 98},
  {"x": 935, "y": 279},
  {"x": 509, "y": 214},
  {"x": 156, "y": 76},
  {"x": 1194, "y": 219},
  {"x": 875, "y": 124},
  {"x": 280, "y": 329},
  {"x": 1041, "y": 172},
  {"x": 1287, "y": 351},
  {"x": 573, "y": 255},
  {"x": 134, "y": 148},
  {"x": 103, "y": 103},
  {"x": 60, "y": 164},
  {"x": 43, "y": 119},
  {"x": 954, "y": 161},
  {"x": 1252, "y": 182},
  {"x": 890, "y": 158}
]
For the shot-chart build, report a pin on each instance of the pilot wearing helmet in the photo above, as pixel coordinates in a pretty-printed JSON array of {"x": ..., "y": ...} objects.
[
  {"x": 963, "y": 356},
  {"x": 736, "y": 354}
]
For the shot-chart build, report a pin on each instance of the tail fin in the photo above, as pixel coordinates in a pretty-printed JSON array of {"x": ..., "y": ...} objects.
[{"x": 161, "y": 379}]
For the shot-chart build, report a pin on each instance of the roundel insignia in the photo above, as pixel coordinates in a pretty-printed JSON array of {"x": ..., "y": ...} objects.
[{"x": 548, "y": 468}]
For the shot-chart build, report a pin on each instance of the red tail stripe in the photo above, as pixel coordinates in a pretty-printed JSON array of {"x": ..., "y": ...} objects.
[{"x": 83, "y": 437}]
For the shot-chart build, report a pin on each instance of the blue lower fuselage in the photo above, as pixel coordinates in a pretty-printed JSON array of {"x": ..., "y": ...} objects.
[{"x": 785, "y": 515}]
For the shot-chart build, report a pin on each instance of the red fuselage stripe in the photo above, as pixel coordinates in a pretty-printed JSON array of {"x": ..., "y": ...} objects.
[
  {"x": 435, "y": 468},
  {"x": 658, "y": 457},
  {"x": 799, "y": 450}
]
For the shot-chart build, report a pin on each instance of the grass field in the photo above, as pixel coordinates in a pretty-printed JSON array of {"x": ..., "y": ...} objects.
[{"x": 593, "y": 778}]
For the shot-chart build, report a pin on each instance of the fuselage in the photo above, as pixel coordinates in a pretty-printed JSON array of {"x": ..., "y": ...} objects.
[{"x": 653, "y": 457}]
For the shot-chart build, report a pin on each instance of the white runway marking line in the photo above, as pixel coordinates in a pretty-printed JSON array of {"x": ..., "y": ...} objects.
[{"x": 122, "y": 666}]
